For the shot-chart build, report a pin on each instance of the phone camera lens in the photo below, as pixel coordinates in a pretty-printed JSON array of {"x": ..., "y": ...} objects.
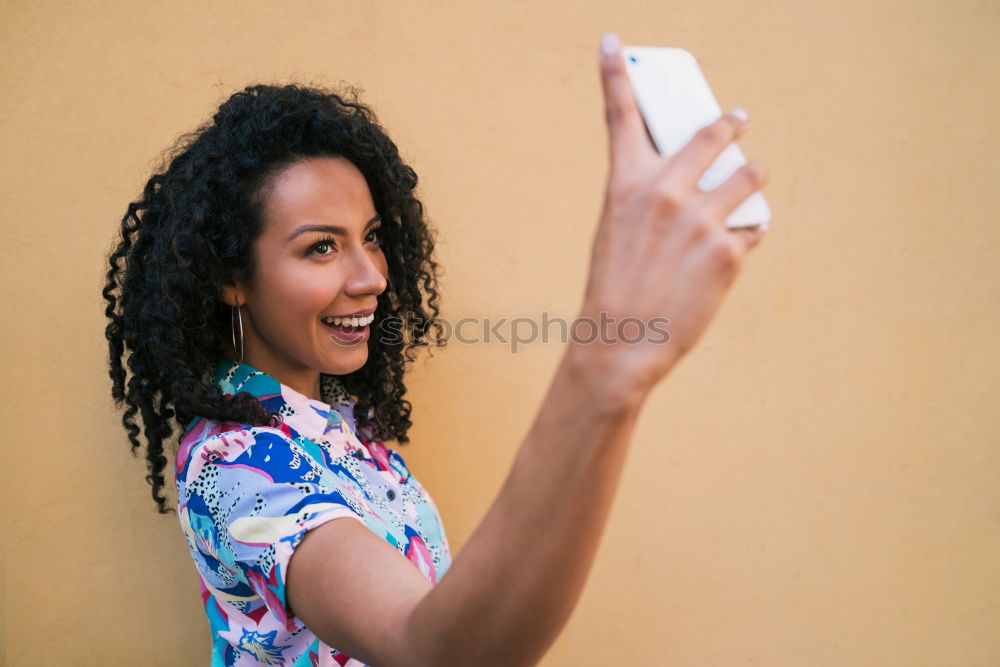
[{"x": 633, "y": 59}]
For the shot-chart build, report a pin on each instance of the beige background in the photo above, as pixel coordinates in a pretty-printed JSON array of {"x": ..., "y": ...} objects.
[{"x": 816, "y": 485}]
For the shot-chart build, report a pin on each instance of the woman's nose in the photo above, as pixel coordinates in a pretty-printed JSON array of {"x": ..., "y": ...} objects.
[{"x": 367, "y": 273}]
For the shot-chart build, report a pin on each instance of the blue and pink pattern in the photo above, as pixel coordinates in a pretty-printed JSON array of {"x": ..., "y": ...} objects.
[{"x": 248, "y": 494}]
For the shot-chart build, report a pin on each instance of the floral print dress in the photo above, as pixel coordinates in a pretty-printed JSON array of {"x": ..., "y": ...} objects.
[{"x": 248, "y": 494}]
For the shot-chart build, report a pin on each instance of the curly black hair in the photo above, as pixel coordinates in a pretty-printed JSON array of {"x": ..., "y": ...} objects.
[{"x": 193, "y": 231}]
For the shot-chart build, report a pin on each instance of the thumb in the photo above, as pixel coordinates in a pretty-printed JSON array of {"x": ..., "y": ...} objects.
[{"x": 626, "y": 128}]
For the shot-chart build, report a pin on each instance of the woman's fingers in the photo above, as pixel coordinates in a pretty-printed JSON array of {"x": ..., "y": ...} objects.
[
  {"x": 626, "y": 129},
  {"x": 747, "y": 238},
  {"x": 686, "y": 166},
  {"x": 718, "y": 203},
  {"x": 722, "y": 200}
]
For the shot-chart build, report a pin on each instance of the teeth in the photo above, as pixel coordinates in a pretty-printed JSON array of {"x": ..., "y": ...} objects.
[{"x": 350, "y": 321}]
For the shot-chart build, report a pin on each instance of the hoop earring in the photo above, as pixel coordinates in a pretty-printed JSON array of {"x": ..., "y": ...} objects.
[{"x": 234, "y": 315}]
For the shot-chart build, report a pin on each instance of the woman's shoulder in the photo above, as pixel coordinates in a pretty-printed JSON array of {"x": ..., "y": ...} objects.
[{"x": 211, "y": 438}]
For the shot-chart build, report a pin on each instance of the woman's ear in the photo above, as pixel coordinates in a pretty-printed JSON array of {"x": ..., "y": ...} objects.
[{"x": 233, "y": 295}]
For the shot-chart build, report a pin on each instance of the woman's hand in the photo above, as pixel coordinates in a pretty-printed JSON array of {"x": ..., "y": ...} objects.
[{"x": 661, "y": 249}]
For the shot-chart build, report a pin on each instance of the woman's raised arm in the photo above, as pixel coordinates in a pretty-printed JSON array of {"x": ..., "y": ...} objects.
[{"x": 661, "y": 251}]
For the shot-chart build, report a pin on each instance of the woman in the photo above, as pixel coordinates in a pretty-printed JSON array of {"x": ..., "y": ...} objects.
[{"x": 291, "y": 209}]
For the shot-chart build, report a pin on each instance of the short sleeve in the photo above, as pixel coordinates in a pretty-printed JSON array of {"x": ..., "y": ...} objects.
[{"x": 251, "y": 496}]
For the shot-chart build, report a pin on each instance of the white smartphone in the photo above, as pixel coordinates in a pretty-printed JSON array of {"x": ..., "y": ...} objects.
[{"x": 676, "y": 101}]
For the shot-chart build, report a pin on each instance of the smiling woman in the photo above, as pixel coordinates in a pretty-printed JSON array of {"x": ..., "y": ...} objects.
[
  {"x": 241, "y": 297},
  {"x": 312, "y": 273},
  {"x": 291, "y": 212}
]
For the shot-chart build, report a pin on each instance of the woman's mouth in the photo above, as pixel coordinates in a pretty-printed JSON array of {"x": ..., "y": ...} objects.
[{"x": 349, "y": 329}]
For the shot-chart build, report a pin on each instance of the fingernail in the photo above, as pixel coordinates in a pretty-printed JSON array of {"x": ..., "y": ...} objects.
[
  {"x": 740, "y": 114},
  {"x": 609, "y": 45}
]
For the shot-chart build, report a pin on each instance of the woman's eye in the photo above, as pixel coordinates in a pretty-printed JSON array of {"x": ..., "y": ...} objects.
[
  {"x": 327, "y": 246},
  {"x": 321, "y": 245}
]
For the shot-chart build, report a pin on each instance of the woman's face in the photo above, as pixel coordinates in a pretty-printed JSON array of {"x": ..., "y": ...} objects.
[{"x": 318, "y": 255}]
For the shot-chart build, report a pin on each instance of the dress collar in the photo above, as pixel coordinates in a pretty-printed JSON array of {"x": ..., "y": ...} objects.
[{"x": 311, "y": 418}]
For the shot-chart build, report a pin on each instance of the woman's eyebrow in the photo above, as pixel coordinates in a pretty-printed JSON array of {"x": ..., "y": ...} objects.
[{"x": 333, "y": 229}]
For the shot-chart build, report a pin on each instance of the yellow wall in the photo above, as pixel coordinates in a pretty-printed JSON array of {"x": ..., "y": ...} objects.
[{"x": 816, "y": 485}]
